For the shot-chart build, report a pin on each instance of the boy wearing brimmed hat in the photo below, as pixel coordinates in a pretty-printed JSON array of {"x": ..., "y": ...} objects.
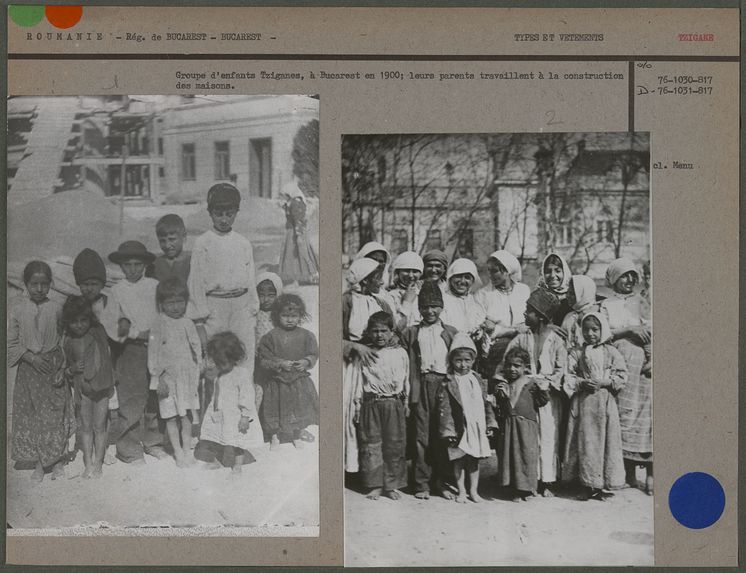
[
  {"x": 127, "y": 318},
  {"x": 222, "y": 293},
  {"x": 548, "y": 361},
  {"x": 427, "y": 344}
]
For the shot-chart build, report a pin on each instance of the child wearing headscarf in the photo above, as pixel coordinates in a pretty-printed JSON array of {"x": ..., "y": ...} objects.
[
  {"x": 377, "y": 252},
  {"x": 504, "y": 302},
  {"x": 548, "y": 360},
  {"x": 467, "y": 420},
  {"x": 627, "y": 313},
  {"x": 596, "y": 373},
  {"x": 359, "y": 303},
  {"x": 460, "y": 307},
  {"x": 555, "y": 278},
  {"x": 268, "y": 288},
  {"x": 582, "y": 299},
  {"x": 406, "y": 270}
]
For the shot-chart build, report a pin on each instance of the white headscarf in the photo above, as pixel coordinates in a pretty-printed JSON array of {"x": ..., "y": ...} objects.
[
  {"x": 585, "y": 292},
  {"x": 619, "y": 267},
  {"x": 566, "y": 276},
  {"x": 463, "y": 267},
  {"x": 407, "y": 260},
  {"x": 372, "y": 247},
  {"x": 360, "y": 269},
  {"x": 271, "y": 277},
  {"x": 510, "y": 263},
  {"x": 291, "y": 191},
  {"x": 605, "y": 328},
  {"x": 461, "y": 340}
]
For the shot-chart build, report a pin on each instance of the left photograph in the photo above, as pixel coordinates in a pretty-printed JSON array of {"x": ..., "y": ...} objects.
[{"x": 162, "y": 315}]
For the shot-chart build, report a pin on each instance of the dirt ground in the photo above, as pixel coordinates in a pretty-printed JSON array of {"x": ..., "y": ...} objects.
[{"x": 561, "y": 531}]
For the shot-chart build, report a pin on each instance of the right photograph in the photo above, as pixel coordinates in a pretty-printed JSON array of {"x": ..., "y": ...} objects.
[{"x": 497, "y": 349}]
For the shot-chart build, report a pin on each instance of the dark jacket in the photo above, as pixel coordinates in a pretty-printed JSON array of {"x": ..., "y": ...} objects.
[
  {"x": 451, "y": 411},
  {"x": 410, "y": 342}
]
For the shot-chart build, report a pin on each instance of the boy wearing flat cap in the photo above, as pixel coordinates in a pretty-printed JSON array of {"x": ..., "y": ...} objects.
[
  {"x": 222, "y": 293},
  {"x": 127, "y": 318}
]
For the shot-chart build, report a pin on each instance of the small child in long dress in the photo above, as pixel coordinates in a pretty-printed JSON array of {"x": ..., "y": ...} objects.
[
  {"x": 90, "y": 371},
  {"x": 467, "y": 419},
  {"x": 229, "y": 424},
  {"x": 518, "y": 401},
  {"x": 285, "y": 355},
  {"x": 596, "y": 373},
  {"x": 175, "y": 362}
]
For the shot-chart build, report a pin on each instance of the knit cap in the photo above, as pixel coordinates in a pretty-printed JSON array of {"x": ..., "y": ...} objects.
[
  {"x": 544, "y": 302},
  {"x": 430, "y": 295}
]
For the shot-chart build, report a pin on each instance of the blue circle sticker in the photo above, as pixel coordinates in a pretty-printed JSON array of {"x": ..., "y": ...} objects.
[{"x": 696, "y": 500}]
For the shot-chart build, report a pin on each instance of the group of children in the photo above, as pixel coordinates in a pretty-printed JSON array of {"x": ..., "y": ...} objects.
[
  {"x": 556, "y": 380},
  {"x": 172, "y": 346}
]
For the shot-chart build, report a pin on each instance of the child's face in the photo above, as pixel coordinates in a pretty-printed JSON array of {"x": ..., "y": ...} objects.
[
  {"x": 267, "y": 294},
  {"x": 553, "y": 274},
  {"x": 372, "y": 283},
  {"x": 380, "y": 334},
  {"x": 626, "y": 283},
  {"x": 591, "y": 331},
  {"x": 434, "y": 270},
  {"x": 79, "y": 325},
  {"x": 407, "y": 277},
  {"x": 514, "y": 369},
  {"x": 430, "y": 314},
  {"x": 172, "y": 243},
  {"x": 499, "y": 275},
  {"x": 460, "y": 284},
  {"x": 532, "y": 317},
  {"x": 289, "y": 317},
  {"x": 223, "y": 218},
  {"x": 90, "y": 289},
  {"x": 174, "y": 306},
  {"x": 133, "y": 269},
  {"x": 462, "y": 360},
  {"x": 38, "y": 287}
]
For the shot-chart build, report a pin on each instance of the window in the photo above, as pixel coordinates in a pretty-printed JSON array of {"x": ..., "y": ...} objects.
[
  {"x": 605, "y": 231},
  {"x": 160, "y": 146},
  {"x": 399, "y": 241},
  {"x": 465, "y": 245},
  {"x": 565, "y": 233},
  {"x": 260, "y": 167},
  {"x": 433, "y": 240},
  {"x": 188, "y": 166},
  {"x": 222, "y": 160}
]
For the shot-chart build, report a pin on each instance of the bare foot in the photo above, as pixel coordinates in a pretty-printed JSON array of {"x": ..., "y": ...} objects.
[
  {"x": 97, "y": 472},
  {"x": 274, "y": 443},
  {"x": 298, "y": 444},
  {"x": 109, "y": 459},
  {"x": 547, "y": 492},
  {"x": 236, "y": 473},
  {"x": 307, "y": 436},
  {"x": 649, "y": 485},
  {"x": 58, "y": 471},
  {"x": 461, "y": 498},
  {"x": 392, "y": 494},
  {"x": 181, "y": 462},
  {"x": 517, "y": 499},
  {"x": 422, "y": 495},
  {"x": 87, "y": 472},
  {"x": 374, "y": 494},
  {"x": 38, "y": 475},
  {"x": 475, "y": 497},
  {"x": 448, "y": 494},
  {"x": 215, "y": 465}
]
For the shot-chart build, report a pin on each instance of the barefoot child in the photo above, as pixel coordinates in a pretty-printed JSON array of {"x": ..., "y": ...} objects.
[
  {"x": 286, "y": 354},
  {"x": 466, "y": 417},
  {"x": 596, "y": 373},
  {"x": 548, "y": 360},
  {"x": 518, "y": 401},
  {"x": 229, "y": 424},
  {"x": 43, "y": 418},
  {"x": 90, "y": 371},
  {"x": 381, "y": 410},
  {"x": 127, "y": 319},
  {"x": 174, "y": 363},
  {"x": 427, "y": 344}
]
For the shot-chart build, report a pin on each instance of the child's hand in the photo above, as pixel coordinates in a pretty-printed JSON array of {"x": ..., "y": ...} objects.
[
  {"x": 588, "y": 385},
  {"x": 503, "y": 388},
  {"x": 407, "y": 411},
  {"x": 490, "y": 432},
  {"x": 162, "y": 390},
  {"x": 244, "y": 423},
  {"x": 300, "y": 365},
  {"x": 452, "y": 441},
  {"x": 367, "y": 355},
  {"x": 123, "y": 327}
]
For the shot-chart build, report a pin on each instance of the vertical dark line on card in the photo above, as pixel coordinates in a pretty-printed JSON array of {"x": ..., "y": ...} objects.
[{"x": 631, "y": 98}]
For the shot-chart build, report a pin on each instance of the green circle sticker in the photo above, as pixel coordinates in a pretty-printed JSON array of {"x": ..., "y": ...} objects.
[{"x": 26, "y": 16}]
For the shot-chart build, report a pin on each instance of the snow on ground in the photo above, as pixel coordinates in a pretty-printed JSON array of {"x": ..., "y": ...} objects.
[{"x": 561, "y": 531}]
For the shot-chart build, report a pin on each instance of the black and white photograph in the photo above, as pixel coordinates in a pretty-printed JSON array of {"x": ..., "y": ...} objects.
[
  {"x": 497, "y": 357},
  {"x": 162, "y": 342}
]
